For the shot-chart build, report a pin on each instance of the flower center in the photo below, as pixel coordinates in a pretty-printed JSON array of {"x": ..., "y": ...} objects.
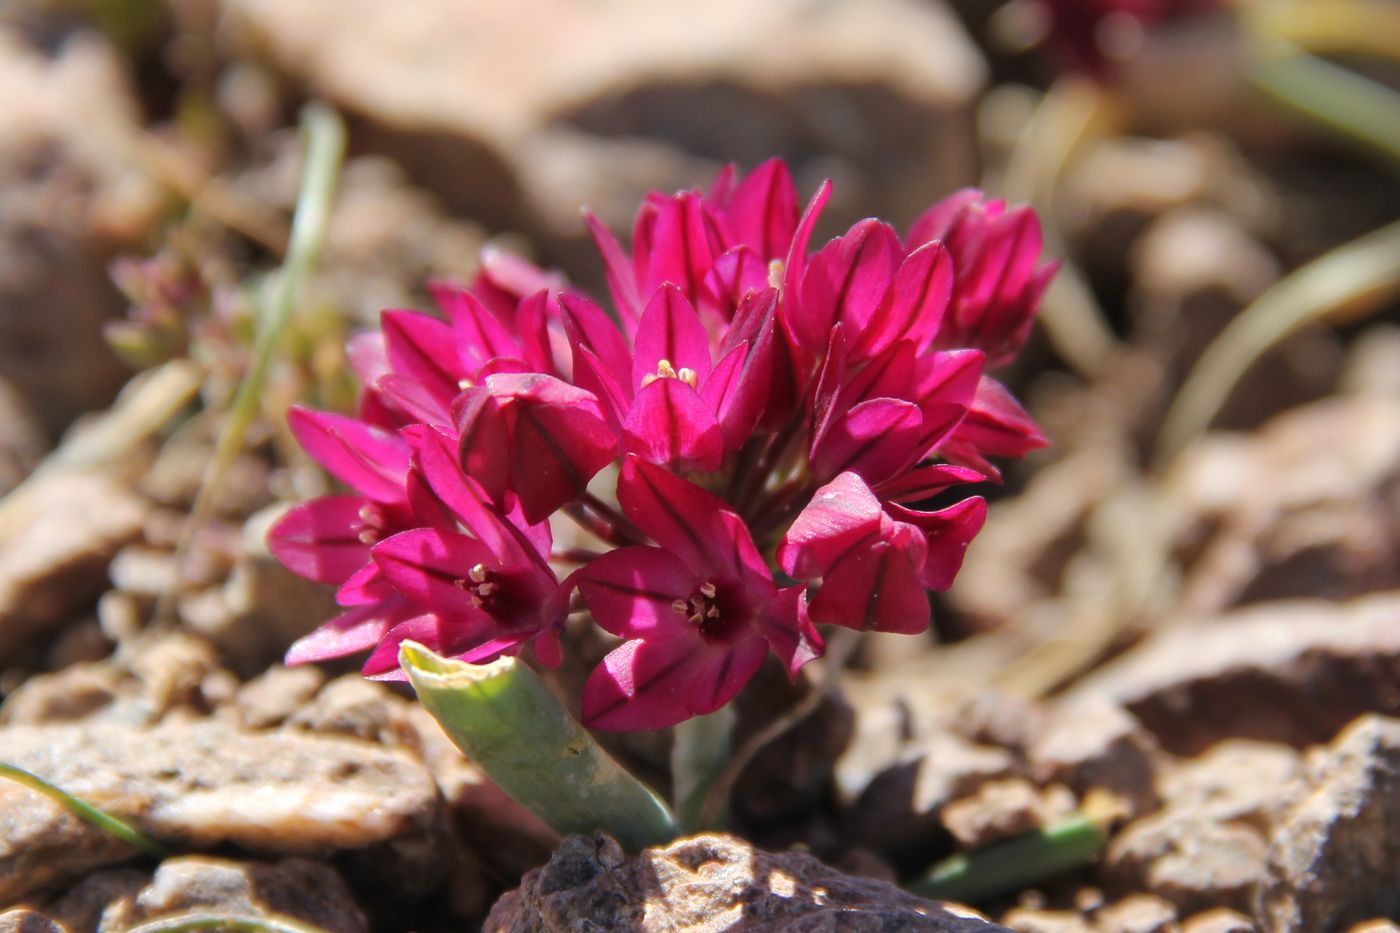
[
  {"x": 664, "y": 370},
  {"x": 701, "y": 609},
  {"x": 479, "y": 584}
]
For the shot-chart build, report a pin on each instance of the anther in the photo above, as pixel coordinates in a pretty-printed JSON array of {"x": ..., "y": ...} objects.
[
  {"x": 708, "y": 590},
  {"x": 477, "y": 573},
  {"x": 689, "y": 377},
  {"x": 680, "y": 607},
  {"x": 368, "y": 536},
  {"x": 775, "y": 273}
]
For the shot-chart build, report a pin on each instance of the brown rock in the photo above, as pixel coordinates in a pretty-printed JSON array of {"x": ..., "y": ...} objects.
[
  {"x": 899, "y": 811},
  {"x": 1004, "y": 808},
  {"x": 709, "y": 882},
  {"x": 207, "y": 784},
  {"x": 1236, "y": 781},
  {"x": 1219, "y": 920},
  {"x": 1191, "y": 860},
  {"x": 353, "y": 706},
  {"x": 68, "y": 202},
  {"x": 627, "y": 94},
  {"x": 1298, "y": 508},
  {"x": 1292, "y": 672},
  {"x": 24, "y": 920},
  {"x": 1036, "y": 920},
  {"x": 1333, "y": 861},
  {"x": 277, "y": 694},
  {"x": 22, "y": 440},
  {"x": 302, "y": 890},
  {"x": 54, "y": 551},
  {"x": 83, "y": 906},
  {"x": 1137, "y": 913},
  {"x": 1378, "y": 925},
  {"x": 1097, "y": 745}
]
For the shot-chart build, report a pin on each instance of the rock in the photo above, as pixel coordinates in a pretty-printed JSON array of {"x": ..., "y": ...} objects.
[
  {"x": 898, "y": 814},
  {"x": 1378, "y": 925},
  {"x": 1189, "y": 859},
  {"x": 296, "y": 888},
  {"x": 154, "y": 676},
  {"x": 55, "y": 549},
  {"x": 206, "y": 784},
  {"x": 69, "y": 201},
  {"x": 1219, "y": 920},
  {"x": 24, "y": 920},
  {"x": 22, "y": 440},
  {"x": 1299, "y": 508},
  {"x": 1236, "y": 781},
  {"x": 85, "y": 905},
  {"x": 1293, "y": 672},
  {"x": 1137, "y": 913},
  {"x": 353, "y": 706},
  {"x": 277, "y": 694},
  {"x": 1036, "y": 920},
  {"x": 1096, "y": 745},
  {"x": 1333, "y": 861},
  {"x": 883, "y": 94},
  {"x": 1004, "y": 808},
  {"x": 709, "y": 882}
]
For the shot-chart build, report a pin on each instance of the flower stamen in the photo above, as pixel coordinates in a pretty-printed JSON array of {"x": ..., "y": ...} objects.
[{"x": 664, "y": 370}]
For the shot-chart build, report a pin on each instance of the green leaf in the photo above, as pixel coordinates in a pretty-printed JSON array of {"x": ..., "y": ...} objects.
[{"x": 512, "y": 727}]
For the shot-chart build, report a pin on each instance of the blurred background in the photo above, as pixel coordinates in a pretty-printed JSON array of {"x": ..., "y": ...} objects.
[{"x": 1218, "y": 366}]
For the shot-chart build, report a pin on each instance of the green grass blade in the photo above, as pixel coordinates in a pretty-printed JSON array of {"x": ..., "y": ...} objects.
[
  {"x": 1364, "y": 273},
  {"x": 86, "y": 811},
  {"x": 1007, "y": 867},
  {"x": 512, "y": 727},
  {"x": 325, "y": 150}
]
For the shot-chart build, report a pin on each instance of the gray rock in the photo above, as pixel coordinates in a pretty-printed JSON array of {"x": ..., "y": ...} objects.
[
  {"x": 1236, "y": 781},
  {"x": 710, "y": 883},
  {"x": 24, "y": 920},
  {"x": 207, "y": 783},
  {"x": 1334, "y": 860}
]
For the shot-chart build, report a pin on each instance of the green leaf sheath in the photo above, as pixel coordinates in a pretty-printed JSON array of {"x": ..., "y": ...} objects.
[{"x": 512, "y": 727}]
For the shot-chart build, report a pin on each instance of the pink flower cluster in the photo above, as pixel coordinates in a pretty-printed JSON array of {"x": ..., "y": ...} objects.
[
  {"x": 1083, "y": 31},
  {"x": 746, "y": 436}
]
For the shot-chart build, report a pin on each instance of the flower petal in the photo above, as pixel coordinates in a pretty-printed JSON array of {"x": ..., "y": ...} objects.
[
  {"x": 630, "y": 591},
  {"x": 948, "y": 532},
  {"x": 430, "y": 567},
  {"x": 645, "y": 684},
  {"x": 671, "y": 425},
  {"x": 371, "y": 461},
  {"x": 875, "y": 587},
  {"x": 321, "y": 539},
  {"x": 670, "y": 330},
  {"x": 349, "y": 633},
  {"x": 786, "y": 625},
  {"x": 762, "y": 211},
  {"x": 841, "y": 514},
  {"x": 877, "y": 439},
  {"x": 677, "y": 514},
  {"x": 913, "y": 307},
  {"x": 847, "y": 281}
]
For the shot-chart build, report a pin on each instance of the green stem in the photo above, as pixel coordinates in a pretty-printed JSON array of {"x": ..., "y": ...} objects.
[
  {"x": 1362, "y": 273},
  {"x": 1356, "y": 108},
  {"x": 509, "y": 725},
  {"x": 325, "y": 149},
  {"x": 1007, "y": 867},
  {"x": 698, "y": 756},
  {"x": 86, "y": 811}
]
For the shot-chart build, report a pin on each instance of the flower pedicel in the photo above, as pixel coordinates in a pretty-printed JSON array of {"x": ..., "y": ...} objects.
[{"x": 775, "y": 417}]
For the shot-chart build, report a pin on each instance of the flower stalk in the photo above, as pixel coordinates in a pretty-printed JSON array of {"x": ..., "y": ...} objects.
[{"x": 512, "y": 727}]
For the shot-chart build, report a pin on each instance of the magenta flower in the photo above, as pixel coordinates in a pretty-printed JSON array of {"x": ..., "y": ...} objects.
[
  {"x": 700, "y": 612},
  {"x": 1085, "y": 33},
  {"x": 748, "y": 395}
]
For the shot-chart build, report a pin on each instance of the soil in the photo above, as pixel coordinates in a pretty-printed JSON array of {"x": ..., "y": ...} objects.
[{"x": 1203, "y": 650}]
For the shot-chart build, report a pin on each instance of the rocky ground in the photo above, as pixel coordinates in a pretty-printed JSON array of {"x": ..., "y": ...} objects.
[{"x": 1204, "y": 650}]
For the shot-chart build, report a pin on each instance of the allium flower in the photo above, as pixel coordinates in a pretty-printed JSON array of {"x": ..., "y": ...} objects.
[
  {"x": 752, "y": 427},
  {"x": 1086, "y": 32}
]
